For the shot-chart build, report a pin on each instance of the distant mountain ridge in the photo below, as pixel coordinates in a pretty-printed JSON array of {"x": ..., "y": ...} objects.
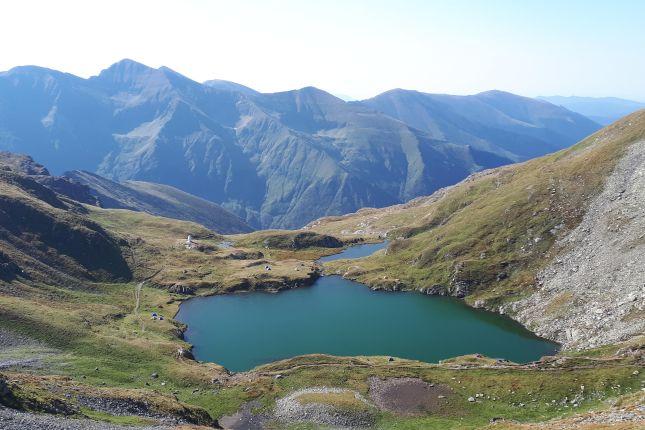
[
  {"x": 275, "y": 160},
  {"x": 603, "y": 110},
  {"x": 502, "y": 123}
]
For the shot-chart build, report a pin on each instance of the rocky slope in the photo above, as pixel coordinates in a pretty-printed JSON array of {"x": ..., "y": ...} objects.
[
  {"x": 275, "y": 160},
  {"x": 12, "y": 419},
  {"x": 593, "y": 292}
]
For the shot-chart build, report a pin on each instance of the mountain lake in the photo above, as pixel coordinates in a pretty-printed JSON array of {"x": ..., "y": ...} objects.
[{"x": 340, "y": 317}]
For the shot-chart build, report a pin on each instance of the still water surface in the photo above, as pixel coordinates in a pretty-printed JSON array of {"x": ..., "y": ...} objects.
[{"x": 341, "y": 317}]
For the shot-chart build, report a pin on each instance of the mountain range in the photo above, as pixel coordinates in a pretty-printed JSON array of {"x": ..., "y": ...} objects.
[
  {"x": 603, "y": 110},
  {"x": 510, "y": 126},
  {"x": 275, "y": 160}
]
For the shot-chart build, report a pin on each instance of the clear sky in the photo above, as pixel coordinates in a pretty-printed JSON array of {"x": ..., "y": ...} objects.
[{"x": 356, "y": 48}]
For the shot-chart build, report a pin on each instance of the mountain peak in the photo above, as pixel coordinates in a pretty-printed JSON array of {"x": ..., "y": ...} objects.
[
  {"x": 129, "y": 64},
  {"x": 397, "y": 92},
  {"x": 37, "y": 73},
  {"x": 315, "y": 91},
  {"x": 22, "y": 164},
  {"x": 124, "y": 71},
  {"x": 311, "y": 94}
]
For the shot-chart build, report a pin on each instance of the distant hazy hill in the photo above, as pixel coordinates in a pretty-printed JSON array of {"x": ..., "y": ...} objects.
[
  {"x": 158, "y": 199},
  {"x": 511, "y": 126},
  {"x": 276, "y": 160},
  {"x": 603, "y": 110}
]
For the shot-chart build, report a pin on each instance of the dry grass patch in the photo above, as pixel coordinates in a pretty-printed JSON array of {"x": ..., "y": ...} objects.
[{"x": 341, "y": 400}]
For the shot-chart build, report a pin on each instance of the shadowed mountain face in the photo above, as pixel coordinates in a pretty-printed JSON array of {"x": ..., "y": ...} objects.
[
  {"x": 276, "y": 160},
  {"x": 158, "y": 199},
  {"x": 155, "y": 199},
  {"x": 603, "y": 110},
  {"x": 47, "y": 238}
]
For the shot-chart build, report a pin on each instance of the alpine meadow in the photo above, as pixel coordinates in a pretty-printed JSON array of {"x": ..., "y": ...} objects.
[{"x": 295, "y": 215}]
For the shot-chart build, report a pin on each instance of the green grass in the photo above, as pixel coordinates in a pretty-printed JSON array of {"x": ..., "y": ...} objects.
[
  {"x": 510, "y": 387},
  {"x": 156, "y": 248},
  {"x": 95, "y": 328},
  {"x": 487, "y": 226}
]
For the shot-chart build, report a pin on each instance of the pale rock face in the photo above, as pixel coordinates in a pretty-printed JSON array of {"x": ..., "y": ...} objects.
[{"x": 593, "y": 294}]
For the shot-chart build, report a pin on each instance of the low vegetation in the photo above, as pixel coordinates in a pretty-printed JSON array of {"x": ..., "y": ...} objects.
[{"x": 94, "y": 338}]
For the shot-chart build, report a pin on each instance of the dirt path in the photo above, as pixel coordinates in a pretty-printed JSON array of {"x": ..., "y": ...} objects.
[{"x": 137, "y": 299}]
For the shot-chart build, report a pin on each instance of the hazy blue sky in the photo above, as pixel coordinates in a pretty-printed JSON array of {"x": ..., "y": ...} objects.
[{"x": 358, "y": 48}]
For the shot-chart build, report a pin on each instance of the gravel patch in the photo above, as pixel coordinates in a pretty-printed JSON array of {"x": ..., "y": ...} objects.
[
  {"x": 10, "y": 419},
  {"x": 18, "y": 351},
  {"x": 18, "y": 363},
  {"x": 126, "y": 407},
  {"x": 11, "y": 339},
  {"x": 289, "y": 409},
  {"x": 407, "y": 396},
  {"x": 245, "y": 419}
]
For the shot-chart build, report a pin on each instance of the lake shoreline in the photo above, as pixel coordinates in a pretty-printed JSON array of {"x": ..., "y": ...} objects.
[{"x": 318, "y": 276}]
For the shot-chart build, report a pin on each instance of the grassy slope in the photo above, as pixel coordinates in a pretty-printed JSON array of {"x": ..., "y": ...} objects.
[
  {"x": 157, "y": 247},
  {"x": 97, "y": 327},
  {"x": 489, "y": 235}
]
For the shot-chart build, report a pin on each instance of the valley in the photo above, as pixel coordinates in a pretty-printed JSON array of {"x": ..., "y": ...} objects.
[
  {"x": 322, "y": 215},
  {"x": 79, "y": 339}
]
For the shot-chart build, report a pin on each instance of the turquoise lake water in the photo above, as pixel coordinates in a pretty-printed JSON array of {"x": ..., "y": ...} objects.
[{"x": 341, "y": 317}]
